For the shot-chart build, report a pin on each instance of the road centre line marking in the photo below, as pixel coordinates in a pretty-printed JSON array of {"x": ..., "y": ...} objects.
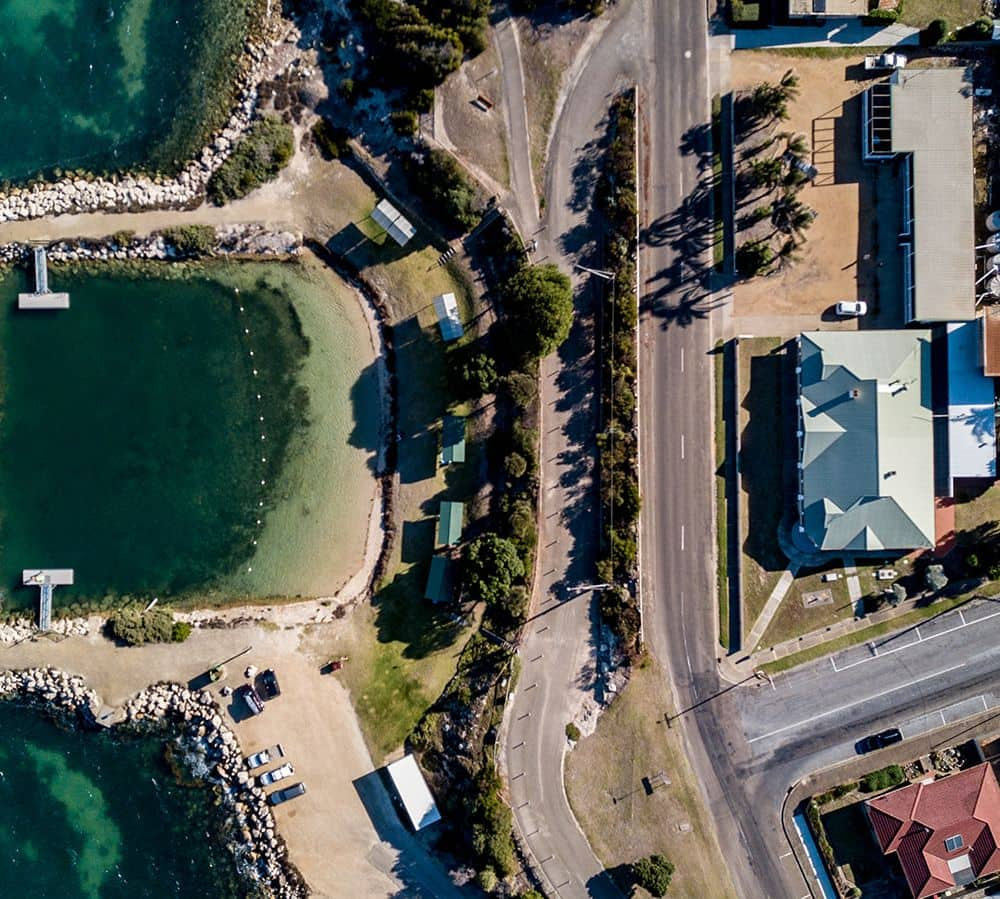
[
  {"x": 682, "y": 359},
  {"x": 786, "y": 854},
  {"x": 682, "y": 538},
  {"x": 921, "y": 639},
  {"x": 844, "y": 708},
  {"x": 682, "y": 446}
]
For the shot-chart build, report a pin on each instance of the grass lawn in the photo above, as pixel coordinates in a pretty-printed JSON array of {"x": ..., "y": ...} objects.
[
  {"x": 876, "y": 630},
  {"x": 853, "y": 844},
  {"x": 721, "y": 531},
  {"x": 761, "y": 452},
  {"x": 793, "y": 618},
  {"x": 972, "y": 511},
  {"x": 604, "y": 781},
  {"x": 920, "y": 13}
]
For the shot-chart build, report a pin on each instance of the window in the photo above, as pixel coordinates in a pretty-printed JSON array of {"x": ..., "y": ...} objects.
[{"x": 953, "y": 843}]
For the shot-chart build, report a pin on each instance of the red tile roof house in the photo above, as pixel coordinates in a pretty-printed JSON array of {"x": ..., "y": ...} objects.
[{"x": 945, "y": 833}]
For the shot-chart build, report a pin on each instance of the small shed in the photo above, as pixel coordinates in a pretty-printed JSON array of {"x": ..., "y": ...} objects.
[
  {"x": 438, "y": 587},
  {"x": 392, "y": 221},
  {"x": 447, "y": 313},
  {"x": 410, "y": 786},
  {"x": 452, "y": 440},
  {"x": 450, "y": 523}
]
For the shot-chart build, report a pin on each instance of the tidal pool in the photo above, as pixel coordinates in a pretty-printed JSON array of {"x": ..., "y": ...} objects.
[
  {"x": 176, "y": 432},
  {"x": 114, "y": 84},
  {"x": 89, "y": 816}
]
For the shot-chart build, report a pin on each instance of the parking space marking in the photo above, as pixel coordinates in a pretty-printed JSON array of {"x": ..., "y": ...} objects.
[
  {"x": 850, "y": 705},
  {"x": 878, "y": 654}
]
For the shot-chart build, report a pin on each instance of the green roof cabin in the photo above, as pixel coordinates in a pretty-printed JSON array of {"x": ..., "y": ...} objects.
[
  {"x": 452, "y": 440},
  {"x": 439, "y": 580},
  {"x": 450, "y": 523}
]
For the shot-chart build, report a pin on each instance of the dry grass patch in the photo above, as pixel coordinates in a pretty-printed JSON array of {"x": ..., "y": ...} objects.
[
  {"x": 920, "y": 13},
  {"x": 547, "y": 50},
  {"x": 604, "y": 781},
  {"x": 479, "y": 137}
]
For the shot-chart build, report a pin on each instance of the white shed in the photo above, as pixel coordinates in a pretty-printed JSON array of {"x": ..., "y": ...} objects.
[
  {"x": 448, "y": 317},
  {"x": 413, "y": 792},
  {"x": 391, "y": 220}
]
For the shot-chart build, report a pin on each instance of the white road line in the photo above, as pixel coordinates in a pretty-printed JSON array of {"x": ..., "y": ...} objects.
[
  {"x": 682, "y": 446},
  {"x": 682, "y": 538},
  {"x": 919, "y": 638},
  {"x": 943, "y": 719},
  {"x": 786, "y": 854},
  {"x": 922, "y": 639},
  {"x": 682, "y": 359},
  {"x": 687, "y": 655},
  {"x": 850, "y": 705},
  {"x": 961, "y": 615}
]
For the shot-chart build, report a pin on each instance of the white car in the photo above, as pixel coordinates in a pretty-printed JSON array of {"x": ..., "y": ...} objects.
[
  {"x": 259, "y": 759},
  {"x": 272, "y": 777},
  {"x": 852, "y": 308}
]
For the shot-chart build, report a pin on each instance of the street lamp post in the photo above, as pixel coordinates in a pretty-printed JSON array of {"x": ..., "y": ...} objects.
[{"x": 605, "y": 275}]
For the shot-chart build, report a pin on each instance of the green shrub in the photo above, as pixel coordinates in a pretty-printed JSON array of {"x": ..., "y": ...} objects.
[
  {"x": 741, "y": 13},
  {"x": 980, "y": 30},
  {"x": 260, "y": 154},
  {"x": 487, "y": 880},
  {"x": 492, "y": 824},
  {"x": 191, "y": 240},
  {"x": 180, "y": 631},
  {"x": 882, "y": 779},
  {"x": 753, "y": 257},
  {"x": 515, "y": 466},
  {"x": 573, "y": 732},
  {"x": 492, "y": 567},
  {"x": 653, "y": 874},
  {"x": 478, "y": 374},
  {"x": 443, "y": 184},
  {"x": 522, "y": 388},
  {"x": 881, "y": 16},
  {"x": 136, "y": 626},
  {"x": 123, "y": 238},
  {"x": 331, "y": 139},
  {"x": 404, "y": 122}
]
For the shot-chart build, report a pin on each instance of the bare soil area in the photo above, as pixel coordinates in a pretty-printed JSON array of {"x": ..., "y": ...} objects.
[
  {"x": 840, "y": 258},
  {"x": 472, "y": 132}
]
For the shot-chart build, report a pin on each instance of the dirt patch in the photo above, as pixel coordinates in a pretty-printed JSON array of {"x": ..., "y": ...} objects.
[
  {"x": 840, "y": 257},
  {"x": 472, "y": 129},
  {"x": 634, "y": 793}
]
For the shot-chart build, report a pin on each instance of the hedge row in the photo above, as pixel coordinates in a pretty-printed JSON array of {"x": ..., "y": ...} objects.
[{"x": 619, "y": 474}]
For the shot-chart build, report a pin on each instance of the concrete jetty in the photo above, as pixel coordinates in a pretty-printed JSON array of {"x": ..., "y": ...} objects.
[
  {"x": 42, "y": 298},
  {"x": 46, "y": 579}
]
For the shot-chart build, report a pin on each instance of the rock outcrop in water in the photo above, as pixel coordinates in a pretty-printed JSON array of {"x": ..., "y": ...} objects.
[{"x": 260, "y": 852}]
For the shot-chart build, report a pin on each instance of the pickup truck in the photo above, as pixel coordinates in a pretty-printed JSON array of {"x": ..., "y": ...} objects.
[{"x": 885, "y": 61}]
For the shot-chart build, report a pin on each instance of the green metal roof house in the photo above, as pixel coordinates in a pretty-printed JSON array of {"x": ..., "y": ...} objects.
[
  {"x": 452, "y": 440},
  {"x": 438, "y": 580},
  {"x": 450, "y": 523},
  {"x": 866, "y": 442}
]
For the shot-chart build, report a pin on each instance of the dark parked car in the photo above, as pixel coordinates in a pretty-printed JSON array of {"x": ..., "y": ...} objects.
[
  {"x": 879, "y": 740},
  {"x": 249, "y": 696},
  {"x": 269, "y": 681},
  {"x": 279, "y": 796}
]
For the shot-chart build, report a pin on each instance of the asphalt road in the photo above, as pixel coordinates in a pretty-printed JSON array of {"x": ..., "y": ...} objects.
[{"x": 558, "y": 652}]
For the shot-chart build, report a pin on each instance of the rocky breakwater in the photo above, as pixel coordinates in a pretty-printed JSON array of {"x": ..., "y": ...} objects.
[
  {"x": 213, "y": 750},
  {"x": 19, "y": 629},
  {"x": 59, "y": 691},
  {"x": 231, "y": 240},
  {"x": 132, "y": 193}
]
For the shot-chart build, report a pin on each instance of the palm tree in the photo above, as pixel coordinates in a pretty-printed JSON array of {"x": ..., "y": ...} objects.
[{"x": 797, "y": 145}]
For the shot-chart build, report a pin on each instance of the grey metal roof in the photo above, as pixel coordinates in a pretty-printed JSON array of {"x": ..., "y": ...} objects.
[
  {"x": 828, "y": 7},
  {"x": 867, "y": 446},
  {"x": 932, "y": 119}
]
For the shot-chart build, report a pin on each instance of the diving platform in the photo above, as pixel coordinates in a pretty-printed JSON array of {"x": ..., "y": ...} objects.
[
  {"x": 42, "y": 298},
  {"x": 46, "y": 579}
]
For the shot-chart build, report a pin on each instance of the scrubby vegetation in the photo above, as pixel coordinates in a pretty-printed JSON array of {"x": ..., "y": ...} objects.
[
  {"x": 441, "y": 182},
  {"x": 653, "y": 874},
  {"x": 191, "y": 240},
  {"x": 136, "y": 625},
  {"x": 260, "y": 154},
  {"x": 539, "y": 303},
  {"x": 882, "y": 779},
  {"x": 619, "y": 473},
  {"x": 331, "y": 139}
]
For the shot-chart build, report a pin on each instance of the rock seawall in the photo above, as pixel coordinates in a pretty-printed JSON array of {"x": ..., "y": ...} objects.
[
  {"x": 131, "y": 193},
  {"x": 198, "y": 720}
]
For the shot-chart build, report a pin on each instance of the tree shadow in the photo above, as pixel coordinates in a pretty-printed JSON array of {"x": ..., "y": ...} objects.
[
  {"x": 366, "y": 402},
  {"x": 417, "y": 542},
  {"x": 402, "y": 615}
]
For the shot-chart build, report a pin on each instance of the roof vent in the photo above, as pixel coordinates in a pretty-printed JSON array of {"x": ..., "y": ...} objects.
[{"x": 855, "y": 393}]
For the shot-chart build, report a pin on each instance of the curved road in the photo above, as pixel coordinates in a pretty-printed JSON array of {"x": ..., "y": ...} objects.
[{"x": 558, "y": 653}]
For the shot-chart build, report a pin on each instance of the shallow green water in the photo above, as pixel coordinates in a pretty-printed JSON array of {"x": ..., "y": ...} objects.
[
  {"x": 111, "y": 84},
  {"x": 89, "y": 816},
  {"x": 133, "y": 446}
]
